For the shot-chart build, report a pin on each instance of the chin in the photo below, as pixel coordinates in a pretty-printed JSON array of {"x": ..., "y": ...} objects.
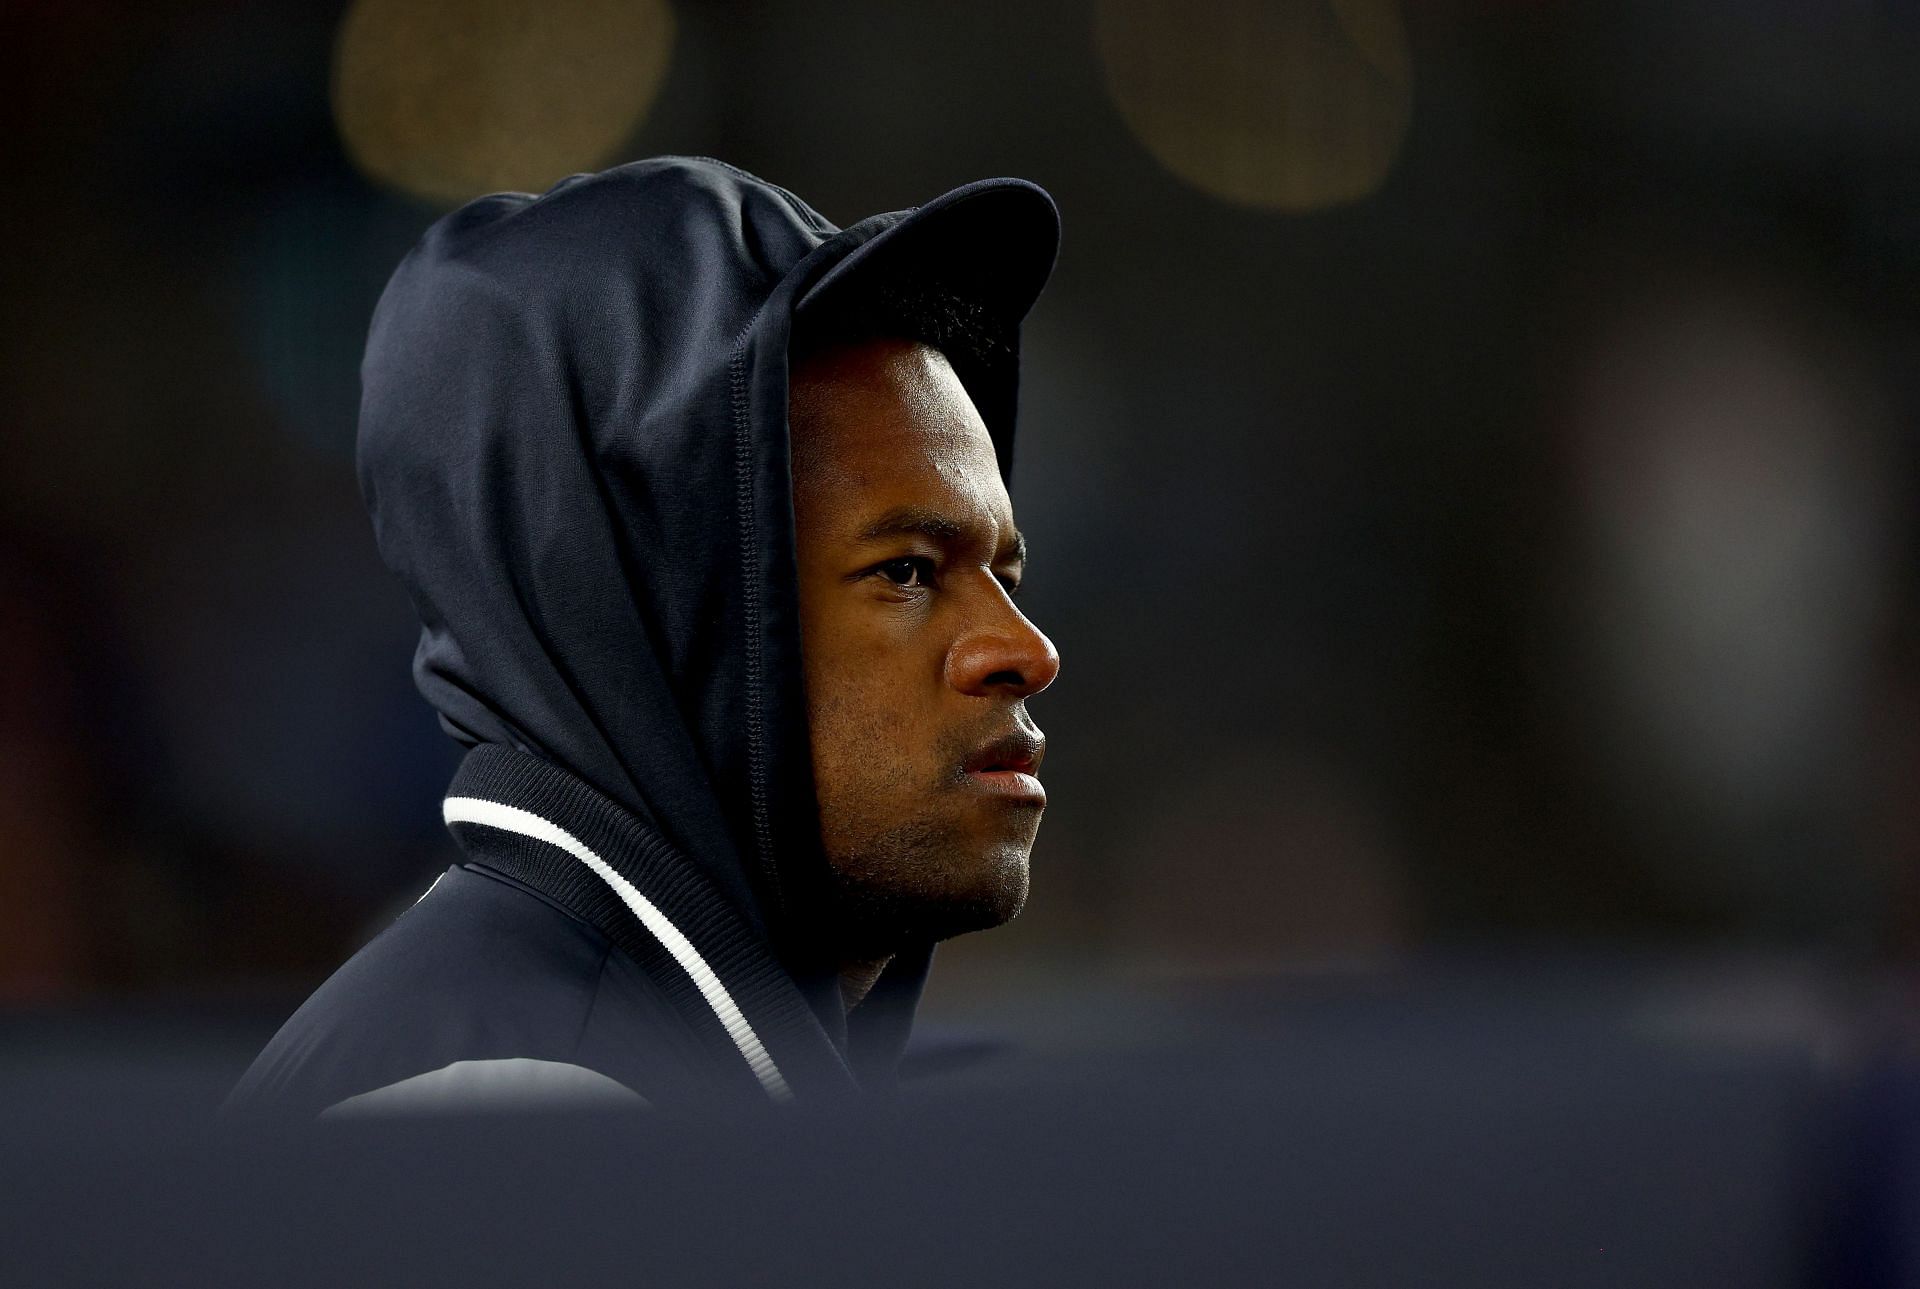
[
  {"x": 995, "y": 896},
  {"x": 888, "y": 897}
]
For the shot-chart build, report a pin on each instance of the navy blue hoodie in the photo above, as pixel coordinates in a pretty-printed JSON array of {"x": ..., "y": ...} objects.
[{"x": 573, "y": 444}]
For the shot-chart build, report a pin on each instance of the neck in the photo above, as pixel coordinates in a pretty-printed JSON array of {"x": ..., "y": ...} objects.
[{"x": 856, "y": 979}]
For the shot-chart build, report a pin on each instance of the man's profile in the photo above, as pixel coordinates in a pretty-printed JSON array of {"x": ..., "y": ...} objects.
[{"x": 702, "y": 504}]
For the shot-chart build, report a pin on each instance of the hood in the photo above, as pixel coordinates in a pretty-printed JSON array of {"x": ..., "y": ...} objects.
[{"x": 573, "y": 445}]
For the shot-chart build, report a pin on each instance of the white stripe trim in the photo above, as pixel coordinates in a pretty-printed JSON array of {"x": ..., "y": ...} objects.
[{"x": 493, "y": 814}]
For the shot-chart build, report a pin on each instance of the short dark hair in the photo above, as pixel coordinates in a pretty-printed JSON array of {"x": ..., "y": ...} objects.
[{"x": 964, "y": 330}]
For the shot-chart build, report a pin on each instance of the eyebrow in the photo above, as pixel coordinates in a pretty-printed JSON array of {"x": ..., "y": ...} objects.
[{"x": 933, "y": 525}]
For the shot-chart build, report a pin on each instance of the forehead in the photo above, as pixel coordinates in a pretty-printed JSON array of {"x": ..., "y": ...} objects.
[{"x": 883, "y": 422}]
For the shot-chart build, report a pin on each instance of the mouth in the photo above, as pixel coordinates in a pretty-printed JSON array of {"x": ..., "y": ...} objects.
[{"x": 1009, "y": 767}]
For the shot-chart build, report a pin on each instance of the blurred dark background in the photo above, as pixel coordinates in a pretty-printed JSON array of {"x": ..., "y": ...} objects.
[{"x": 1467, "y": 448}]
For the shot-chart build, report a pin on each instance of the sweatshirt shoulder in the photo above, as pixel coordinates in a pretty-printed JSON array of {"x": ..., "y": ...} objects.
[{"x": 480, "y": 971}]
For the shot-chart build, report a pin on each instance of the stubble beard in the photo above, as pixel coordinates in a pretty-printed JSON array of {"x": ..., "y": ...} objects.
[
  {"x": 899, "y": 875},
  {"x": 918, "y": 883}
]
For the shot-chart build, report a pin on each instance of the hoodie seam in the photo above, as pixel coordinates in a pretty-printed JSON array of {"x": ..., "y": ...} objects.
[
  {"x": 817, "y": 221},
  {"x": 750, "y": 602},
  {"x": 586, "y": 1021},
  {"x": 480, "y": 868}
]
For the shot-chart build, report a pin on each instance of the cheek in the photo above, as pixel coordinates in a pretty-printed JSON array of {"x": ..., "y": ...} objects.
[
  {"x": 878, "y": 668},
  {"x": 857, "y": 719},
  {"x": 865, "y": 764},
  {"x": 874, "y": 683}
]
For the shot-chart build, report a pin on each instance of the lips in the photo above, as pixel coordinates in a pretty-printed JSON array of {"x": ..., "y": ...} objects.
[
  {"x": 1016, "y": 753},
  {"x": 1007, "y": 768}
]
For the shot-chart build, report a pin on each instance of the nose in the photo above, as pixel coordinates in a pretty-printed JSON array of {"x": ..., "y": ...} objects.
[{"x": 1005, "y": 656}]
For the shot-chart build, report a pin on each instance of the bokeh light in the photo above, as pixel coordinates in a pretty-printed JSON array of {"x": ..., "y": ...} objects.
[
  {"x": 1292, "y": 105},
  {"x": 1732, "y": 484},
  {"x": 448, "y": 100}
]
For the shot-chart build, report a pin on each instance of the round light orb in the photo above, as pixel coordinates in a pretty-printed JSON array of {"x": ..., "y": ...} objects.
[
  {"x": 449, "y": 99},
  {"x": 1290, "y": 105}
]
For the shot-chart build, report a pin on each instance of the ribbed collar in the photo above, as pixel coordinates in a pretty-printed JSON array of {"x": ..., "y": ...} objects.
[{"x": 748, "y": 974}]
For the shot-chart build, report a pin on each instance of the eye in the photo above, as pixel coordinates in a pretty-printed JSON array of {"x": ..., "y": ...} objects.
[
  {"x": 1012, "y": 587},
  {"x": 909, "y": 570}
]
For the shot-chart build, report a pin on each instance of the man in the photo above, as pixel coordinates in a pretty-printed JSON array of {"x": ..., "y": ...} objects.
[{"x": 702, "y": 504}]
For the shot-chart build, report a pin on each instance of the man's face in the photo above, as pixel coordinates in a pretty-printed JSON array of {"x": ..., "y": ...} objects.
[{"x": 917, "y": 662}]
